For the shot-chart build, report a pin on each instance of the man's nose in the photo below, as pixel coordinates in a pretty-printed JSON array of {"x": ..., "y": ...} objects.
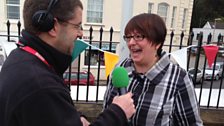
[{"x": 80, "y": 33}]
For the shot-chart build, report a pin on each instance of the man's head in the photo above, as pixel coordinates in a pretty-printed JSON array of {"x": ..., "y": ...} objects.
[
  {"x": 62, "y": 9},
  {"x": 56, "y": 22}
]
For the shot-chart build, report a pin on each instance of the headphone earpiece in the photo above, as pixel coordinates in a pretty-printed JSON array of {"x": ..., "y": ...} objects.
[{"x": 43, "y": 19}]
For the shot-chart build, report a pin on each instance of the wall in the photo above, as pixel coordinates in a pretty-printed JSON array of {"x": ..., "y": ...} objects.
[{"x": 210, "y": 117}]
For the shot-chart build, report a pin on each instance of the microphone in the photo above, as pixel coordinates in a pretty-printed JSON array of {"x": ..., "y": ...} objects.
[{"x": 120, "y": 79}]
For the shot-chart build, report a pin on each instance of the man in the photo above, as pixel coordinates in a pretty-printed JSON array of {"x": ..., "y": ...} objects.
[{"x": 32, "y": 91}]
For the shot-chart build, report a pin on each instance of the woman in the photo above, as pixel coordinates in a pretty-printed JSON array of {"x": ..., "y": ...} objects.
[{"x": 163, "y": 93}]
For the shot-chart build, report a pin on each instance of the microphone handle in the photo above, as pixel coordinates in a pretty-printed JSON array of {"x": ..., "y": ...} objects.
[{"x": 122, "y": 91}]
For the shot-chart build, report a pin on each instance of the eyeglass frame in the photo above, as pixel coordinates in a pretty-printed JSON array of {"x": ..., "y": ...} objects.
[
  {"x": 76, "y": 26},
  {"x": 127, "y": 38}
]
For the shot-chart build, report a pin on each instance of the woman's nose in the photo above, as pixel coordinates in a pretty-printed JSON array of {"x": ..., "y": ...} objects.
[{"x": 132, "y": 41}]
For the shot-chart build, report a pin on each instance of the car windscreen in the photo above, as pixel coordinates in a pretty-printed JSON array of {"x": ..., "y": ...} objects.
[
  {"x": 81, "y": 76},
  {"x": 75, "y": 75},
  {"x": 211, "y": 68},
  {"x": 192, "y": 71}
]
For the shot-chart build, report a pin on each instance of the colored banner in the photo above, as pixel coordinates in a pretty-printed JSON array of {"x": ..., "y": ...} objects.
[
  {"x": 181, "y": 57},
  {"x": 111, "y": 60},
  {"x": 79, "y": 47},
  {"x": 210, "y": 53}
]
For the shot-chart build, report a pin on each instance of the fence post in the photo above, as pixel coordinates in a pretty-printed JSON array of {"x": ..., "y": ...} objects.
[
  {"x": 190, "y": 39},
  {"x": 89, "y": 58},
  {"x": 99, "y": 61},
  {"x": 198, "y": 56},
  {"x": 8, "y": 30}
]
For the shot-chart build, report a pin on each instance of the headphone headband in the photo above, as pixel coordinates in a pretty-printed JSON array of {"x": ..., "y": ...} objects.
[{"x": 43, "y": 19}]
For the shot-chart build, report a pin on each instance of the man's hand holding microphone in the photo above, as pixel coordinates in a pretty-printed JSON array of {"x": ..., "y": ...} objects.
[
  {"x": 120, "y": 80},
  {"x": 124, "y": 102}
]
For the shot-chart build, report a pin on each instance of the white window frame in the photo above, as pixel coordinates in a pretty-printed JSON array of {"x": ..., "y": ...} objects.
[
  {"x": 12, "y": 4},
  {"x": 173, "y": 23},
  {"x": 95, "y": 11},
  {"x": 163, "y": 11},
  {"x": 150, "y": 7},
  {"x": 184, "y": 18}
]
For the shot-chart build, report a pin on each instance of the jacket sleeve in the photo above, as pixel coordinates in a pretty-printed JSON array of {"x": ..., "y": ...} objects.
[
  {"x": 55, "y": 108},
  {"x": 112, "y": 116},
  {"x": 47, "y": 108}
]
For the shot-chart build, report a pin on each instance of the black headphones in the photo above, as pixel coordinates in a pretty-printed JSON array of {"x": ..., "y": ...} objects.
[{"x": 43, "y": 19}]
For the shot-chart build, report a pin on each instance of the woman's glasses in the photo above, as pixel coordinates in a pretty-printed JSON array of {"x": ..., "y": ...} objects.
[{"x": 128, "y": 38}]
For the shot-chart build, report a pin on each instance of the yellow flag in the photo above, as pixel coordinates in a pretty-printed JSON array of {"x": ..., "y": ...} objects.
[{"x": 110, "y": 61}]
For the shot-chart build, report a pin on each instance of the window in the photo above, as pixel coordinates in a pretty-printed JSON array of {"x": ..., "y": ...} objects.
[
  {"x": 95, "y": 53},
  {"x": 13, "y": 9},
  {"x": 150, "y": 7},
  {"x": 173, "y": 17},
  {"x": 95, "y": 11},
  {"x": 184, "y": 19},
  {"x": 163, "y": 10}
]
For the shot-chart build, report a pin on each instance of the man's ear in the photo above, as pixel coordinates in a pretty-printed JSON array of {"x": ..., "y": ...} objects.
[{"x": 54, "y": 31}]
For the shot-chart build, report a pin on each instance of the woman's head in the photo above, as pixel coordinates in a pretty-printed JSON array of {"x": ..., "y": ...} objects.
[
  {"x": 151, "y": 26},
  {"x": 145, "y": 35}
]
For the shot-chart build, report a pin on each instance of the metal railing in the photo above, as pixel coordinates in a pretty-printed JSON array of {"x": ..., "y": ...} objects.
[{"x": 198, "y": 57}]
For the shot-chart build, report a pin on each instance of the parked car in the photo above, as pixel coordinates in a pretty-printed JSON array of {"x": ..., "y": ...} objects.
[
  {"x": 199, "y": 74},
  {"x": 194, "y": 50},
  {"x": 221, "y": 51},
  {"x": 2, "y": 57},
  {"x": 217, "y": 72},
  {"x": 83, "y": 76}
]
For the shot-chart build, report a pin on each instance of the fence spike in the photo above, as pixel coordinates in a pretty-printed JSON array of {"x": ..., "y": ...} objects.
[
  {"x": 192, "y": 34},
  {"x": 111, "y": 29},
  {"x": 172, "y": 34},
  {"x": 19, "y": 27},
  {"x": 209, "y": 38},
  {"x": 8, "y": 29},
  {"x": 219, "y": 39},
  {"x": 111, "y": 36},
  {"x": 182, "y": 34},
  {"x": 101, "y": 30},
  {"x": 91, "y": 29}
]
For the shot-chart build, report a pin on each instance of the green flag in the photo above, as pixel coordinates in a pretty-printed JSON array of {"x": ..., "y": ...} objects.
[{"x": 79, "y": 46}]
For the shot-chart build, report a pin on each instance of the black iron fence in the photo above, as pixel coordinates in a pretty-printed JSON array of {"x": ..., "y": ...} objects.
[{"x": 204, "y": 88}]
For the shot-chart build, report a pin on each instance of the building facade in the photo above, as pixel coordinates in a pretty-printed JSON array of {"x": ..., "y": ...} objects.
[
  {"x": 108, "y": 14},
  {"x": 215, "y": 29}
]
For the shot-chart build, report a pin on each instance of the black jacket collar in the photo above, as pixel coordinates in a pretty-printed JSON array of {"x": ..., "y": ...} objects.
[{"x": 59, "y": 61}]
